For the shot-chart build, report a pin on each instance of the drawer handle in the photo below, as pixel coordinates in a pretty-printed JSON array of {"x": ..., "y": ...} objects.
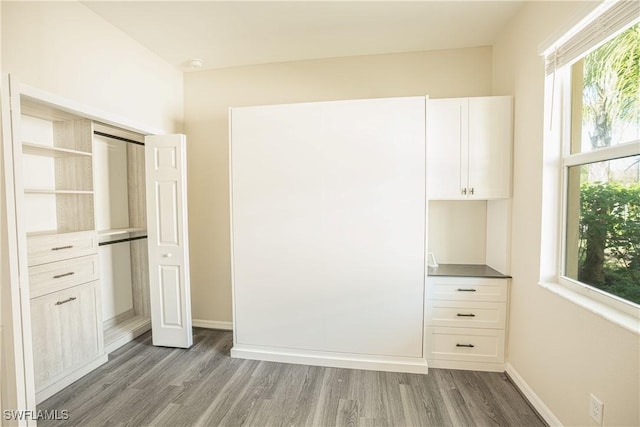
[
  {"x": 465, "y": 345},
  {"x": 66, "y": 301},
  {"x": 466, "y": 315},
  {"x": 466, "y": 290},
  {"x": 62, "y": 247},
  {"x": 71, "y": 273}
]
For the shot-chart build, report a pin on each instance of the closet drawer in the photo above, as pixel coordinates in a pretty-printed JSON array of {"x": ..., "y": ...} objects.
[
  {"x": 466, "y": 314},
  {"x": 56, "y": 247},
  {"x": 465, "y": 344},
  {"x": 66, "y": 332},
  {"x": 466, "y": 289},
  {"x": 55, "y": 276}
]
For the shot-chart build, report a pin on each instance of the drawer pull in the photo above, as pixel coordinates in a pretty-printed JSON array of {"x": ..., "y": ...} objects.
[
  {"x": 62, "y": 247},
  {"x": 466, "y": 315},
  {"x": 465, "y": 345},
  {"x": 66, "y": 301},
  {"x": 71, "y": 273},
  {"x": 466, "y": 290}
]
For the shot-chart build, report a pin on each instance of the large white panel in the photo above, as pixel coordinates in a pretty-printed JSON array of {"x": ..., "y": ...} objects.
[{"x": 328, "y": 225}]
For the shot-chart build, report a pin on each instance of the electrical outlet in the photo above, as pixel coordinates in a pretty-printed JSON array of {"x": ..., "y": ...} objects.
[{"x": 596, "y": 407}]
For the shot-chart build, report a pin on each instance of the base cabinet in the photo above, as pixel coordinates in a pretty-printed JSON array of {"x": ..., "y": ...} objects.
[
  {"x": 66, "y": 332},
  {"x": 466, "y": 322}
]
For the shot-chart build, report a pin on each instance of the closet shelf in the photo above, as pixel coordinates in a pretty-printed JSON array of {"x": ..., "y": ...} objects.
[
  {"x": 116, "y": 231},
  {"x": 48, "y": 191},
  {"x": 49, "y": 151}
]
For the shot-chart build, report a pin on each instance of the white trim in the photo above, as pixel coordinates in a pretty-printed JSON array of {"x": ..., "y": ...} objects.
[
  {"x": 532, "y": 397},
  {"x": 410, "y": 365},
  {"x": 606, "y": 311},
  {"x": 84, "y": 111},
  {"x": 466, "y": 366},
  {"x": 603, "y": 154},
  {"x": 212, "y": 324}
]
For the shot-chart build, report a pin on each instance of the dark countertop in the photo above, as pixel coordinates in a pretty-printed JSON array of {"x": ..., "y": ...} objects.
[{"x": 466, "y": 270}]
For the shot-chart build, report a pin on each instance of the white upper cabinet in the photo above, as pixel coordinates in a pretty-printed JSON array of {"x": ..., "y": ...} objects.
[{"x": 469, "y": 148}]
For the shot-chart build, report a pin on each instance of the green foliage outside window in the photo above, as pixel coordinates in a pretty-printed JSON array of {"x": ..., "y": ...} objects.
[{"x": 609, "y": 238}]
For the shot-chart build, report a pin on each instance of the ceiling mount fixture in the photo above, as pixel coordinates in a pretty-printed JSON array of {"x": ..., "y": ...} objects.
[{"x": 194, "y": 63}]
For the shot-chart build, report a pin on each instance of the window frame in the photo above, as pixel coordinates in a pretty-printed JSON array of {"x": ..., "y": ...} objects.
[{"x": 559, "y": 84}]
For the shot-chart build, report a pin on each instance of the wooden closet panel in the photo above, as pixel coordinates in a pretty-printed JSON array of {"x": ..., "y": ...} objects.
[
  {"x": 136, "y": 184},
  {"x": 140, "y": 278},
  {"x": 73, "y": 173},
  {"x": 74, "y": 212},
  {"x": 73, "y": 134}
]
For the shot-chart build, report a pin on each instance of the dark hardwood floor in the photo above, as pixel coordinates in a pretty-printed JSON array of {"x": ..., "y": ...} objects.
[{"x": 142, "y": 385}]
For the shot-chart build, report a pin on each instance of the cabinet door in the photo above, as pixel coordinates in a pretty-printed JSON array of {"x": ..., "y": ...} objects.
[
  {"x": 66, "y": 332},
  {"x": 165, "y": 168},
  {"x": 490, "y": 147},
  {"x": 446, "y": 148}
]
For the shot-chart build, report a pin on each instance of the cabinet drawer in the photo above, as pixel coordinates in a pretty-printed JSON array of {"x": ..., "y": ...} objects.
[
  {"x": 466, "y": 289},
  {"x": 55, "y": 276},
  {"x": 465, "y": 344},
  {"x": 66, "y": 332},
  {"x": 56, "y": 247},
  {"x": 466, "y": 314}
]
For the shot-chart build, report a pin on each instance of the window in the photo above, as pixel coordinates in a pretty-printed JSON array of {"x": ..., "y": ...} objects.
[
  {"x": 602, "y": 223},
  {"x": 600, "y": 138}
]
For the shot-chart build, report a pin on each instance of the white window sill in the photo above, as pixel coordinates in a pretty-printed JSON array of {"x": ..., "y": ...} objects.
[{"x": 627, "y": 321}]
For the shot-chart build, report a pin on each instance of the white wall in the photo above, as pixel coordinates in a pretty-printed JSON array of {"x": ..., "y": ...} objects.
[
  {"x": 457, "y": 231},
  {"x": 66, "y": 49},
  {"x": 209, "y": 94},
  {"x": 561, "y": 350}
]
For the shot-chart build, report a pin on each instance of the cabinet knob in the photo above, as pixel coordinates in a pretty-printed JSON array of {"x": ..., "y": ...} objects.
[
  {"x": 471, "y": 191},
  {"x": 167, "y": 256},
  {"x": 464, "y": 191}
]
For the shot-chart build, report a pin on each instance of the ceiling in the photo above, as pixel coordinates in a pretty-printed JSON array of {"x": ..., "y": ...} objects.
[{"x": 236, "y": 33}]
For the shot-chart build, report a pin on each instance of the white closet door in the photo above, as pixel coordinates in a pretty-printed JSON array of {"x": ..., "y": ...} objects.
[
  {"x": 165, "y": 165},
  {"x": 328, "y": 225}
]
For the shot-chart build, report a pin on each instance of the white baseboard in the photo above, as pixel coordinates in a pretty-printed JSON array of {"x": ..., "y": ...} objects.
[
  {"x": 466, "y": 366},
  {"x": 212, "y": 324},
  {"x": 412, "y": 365},
  {"x": 533, "y": 398}
]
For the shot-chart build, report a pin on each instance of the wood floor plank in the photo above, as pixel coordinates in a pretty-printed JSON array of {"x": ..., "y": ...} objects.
[{"x": 143, "y": 385}]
